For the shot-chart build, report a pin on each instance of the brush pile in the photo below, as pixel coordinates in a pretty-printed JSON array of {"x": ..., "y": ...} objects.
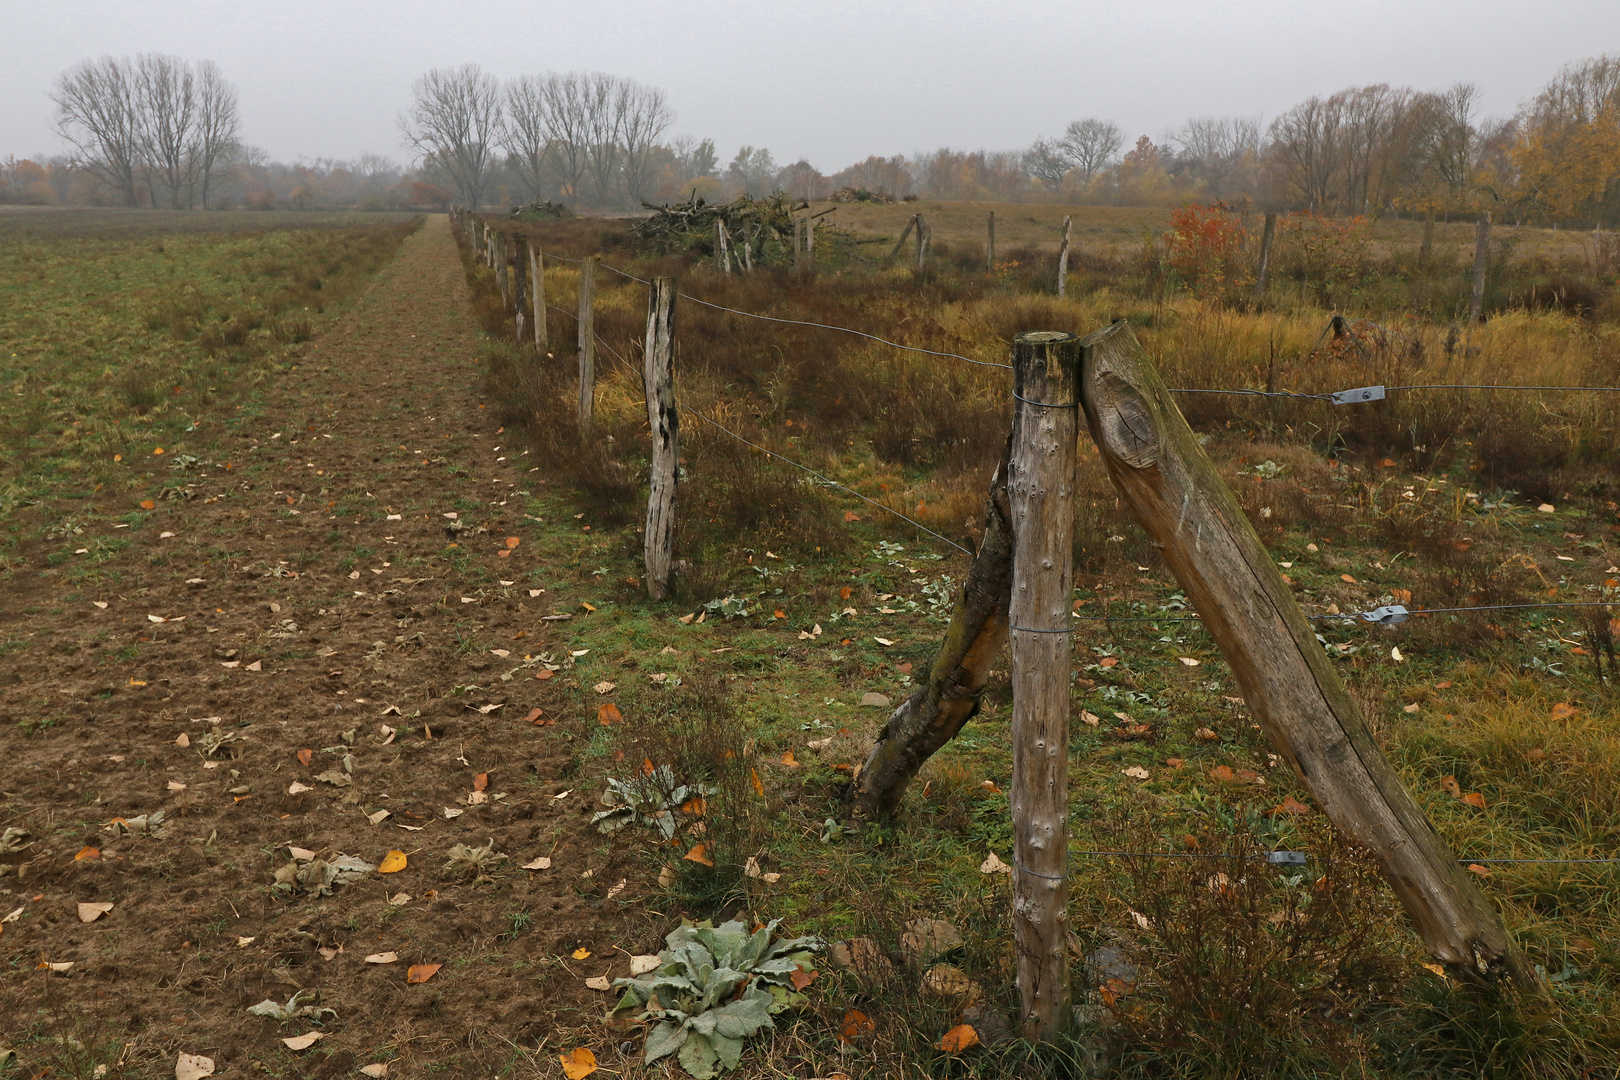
[
  {"x": 543, "y": 211},
  {"x": 766, "y": 225}
]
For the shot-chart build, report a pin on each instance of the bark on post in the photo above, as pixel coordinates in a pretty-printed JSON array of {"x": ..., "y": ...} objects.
[
  {"x": 1268, "y": 233},
  {"x": 1063, "y": 259},
  {"x": 990, "y": 246},
  {"x": 810, "y": 245},
  {"x": 537, "y": 283},
  {"x": 923, "y": 236},
  {"x": 722, "y": 258},
  {"x": 935, "y": 712},
  {"x": 659, "y": 377},
  {"x": 1040, "y": 489},
  {"x": 587, "y": 338},
  {"x": 1482, "y": 245},
  {"x": 905, "y": 232},
  {"x": 520, "y": 286},
  {"x": 1291, "y": 687}
]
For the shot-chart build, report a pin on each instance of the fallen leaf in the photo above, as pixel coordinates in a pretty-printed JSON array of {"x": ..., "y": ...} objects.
[
  {"x": 993, "y": 865},
  {"x": 1547, "y": 508},
  {"x": 176, "y": 785},
  {"x": 1108, "y": 661},
  {"x": 512, "y": 542},
  {"x": 581, "y": 954},
  {"x": 759, "y": 788},
  {"x": 789, "y": 760},
  {"x": 534, "y": 716},
  {"x": 1412, "y": 708},
  {"x": 421, "y": 973},
  {"x": 883, "y": 640},
  {"x": 1395, "y": 655},
  {"x": 303, "y": 1042},
  {"x": 382, "y": 958},
  {"x": 959, "y": 1038},
  {"x": 92, "y": 912},
  {"x": 296, "y": 788},
  {"x": 376, "y": 1071},
  {"x": 257, "y": 665},
  {"x": 1290, "y": 805},
  {"x": 542, "y": 863},
  {"x": 1140, "y": 919},
  {"x": 1563, "y": 711},
  {"x": 392, "y": 863},
  {"x": 801, "y": 978},
  {"x": 1189, "y": 661},
  {"x": 481, "y": 782},
  {"x": 87, "y": 853},
  {"x": 1475, "y": 868},
  {"x": 850, "y": 515},
  {"x": 193, "y": 1067},
  {"x": 578, "y": 1064},
  {"x": 1223, "y": 773},
  {"x": 399, "y": 899},
  {"x": 182, "y": 740},
  {"x": 1136, "y": 771},
  {"x": 608, "y": 713},
  {"x": 1089, "y": 718},
  {"x": 1449, "y": 785},
  {"x": 1437, "y": 969},
  {"x": 666, "y": 877},
  {"x": 600, "y": 982},
  {"x": 1474, "y": 799},
  {"x": 1347, "y": 578},
  {"x": 605, "y": 687},
  {"x": 244, "y": 942},
  {"x": 640, "y": 965},
  {"x": 378, "y": 818},
  {"x": 855, "y": 1025},
  {"x": 305, "y": 757},
  {"x": 699, "y": 854},
  {"x": 61, "y": 968}
]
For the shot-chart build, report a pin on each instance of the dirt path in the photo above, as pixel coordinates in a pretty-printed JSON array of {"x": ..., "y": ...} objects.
[{"x": 336, "y": 573}]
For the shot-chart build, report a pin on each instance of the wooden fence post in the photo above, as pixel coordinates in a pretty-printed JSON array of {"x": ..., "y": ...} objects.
[
  {"x": 520, "y": 285},
  {"x": 923, "y": 236},
  {"x": 659, "y": 377},
  {"x": 990, "y": 247},
  {"x": 537, "y": 283},
  {"x": 722, "y": 261},
  {"x": 809, "y": 245},
  {"x": 905, "y": 232},
  {"x": 587, "y": 338},
  {"x": 1063, "y": 259},
  {"x": 1285, "y": 677},
  {"x": 798, "y": 245},
  {"x": 1040, "y": 489},
  {"x": 1482, "y": 247},
  {"x": 1267, "y": 234}
]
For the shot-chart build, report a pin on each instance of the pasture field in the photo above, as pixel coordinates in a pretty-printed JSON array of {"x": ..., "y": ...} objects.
[{"x": 396, "y": 607}]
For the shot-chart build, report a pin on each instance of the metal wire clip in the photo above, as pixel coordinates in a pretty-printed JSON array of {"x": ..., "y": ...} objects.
[
  {"x": 1385, "y": 616},
  {"x": 1358, "y": 395}
]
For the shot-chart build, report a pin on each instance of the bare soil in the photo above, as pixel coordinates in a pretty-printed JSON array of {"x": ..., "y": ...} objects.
[{"x": 313, "y": 591}]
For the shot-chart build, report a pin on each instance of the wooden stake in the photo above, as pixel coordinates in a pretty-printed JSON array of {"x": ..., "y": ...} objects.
[
  {"x": 923, "y": 237},
  {"x": 722, "y": 260},
  {"x": 1063, "y": 259},
  {"x": 810, "y": 245},
  {"x": 905, "y": 232},
  {"x": 937, "y": 709},
  {"x": 587, "y": 338},
  {"x": 665, "y": 420},
  {"x": 1267, "y": 234},
  {"x": 1482, "y": 247},
  {"x": 1285, "y": 677},
  {"x": 1040, "y": 489},
  {"x": 990, "y": 247},
  {"x": 537, "y": 282},
  {"x": 798, "y": 244}
]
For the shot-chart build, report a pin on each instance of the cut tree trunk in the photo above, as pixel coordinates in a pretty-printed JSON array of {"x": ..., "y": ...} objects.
[
  {"x": 936, "y": 711},
  {"x": 1286, "y": 678}
]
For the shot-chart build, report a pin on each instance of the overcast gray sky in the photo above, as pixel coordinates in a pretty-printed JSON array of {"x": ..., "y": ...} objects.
[{"x": 832, "y": 81}]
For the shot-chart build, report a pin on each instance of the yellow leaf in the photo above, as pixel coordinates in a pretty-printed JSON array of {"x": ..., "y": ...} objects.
[
  {"x": 759, "y": 788},
  {"x": 1563, "y": 710},
  {"x": 392, "y": 863},
  {"x": 421, "y": 973},
  {"x": 581, "y": 954},
  {"x": 578, "y": 1064}
]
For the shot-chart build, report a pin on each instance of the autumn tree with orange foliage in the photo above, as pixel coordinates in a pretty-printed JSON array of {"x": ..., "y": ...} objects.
[{"x": 1568, "y": 158}]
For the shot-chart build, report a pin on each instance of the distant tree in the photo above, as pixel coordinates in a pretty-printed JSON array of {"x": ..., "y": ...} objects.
[
  {"x": 166, "y": 96},
  {"x": 645, "y": 117},
  {"x": 1569, "y": 154},
  {"x": 890, "y": 175},
  {"x": 695, "y": 159},
  {"x": 1048, "y": 162},
  {"x": 528, "y": 132},
  {"x": 1090, "y": 145},
  {"x": 215, "y": 135},
  {"x": 752, "y": 171},
  {"x": 455, "y": 124},
  {"x": 803, "y": 180},
  {"x": 96, "y": 112}
]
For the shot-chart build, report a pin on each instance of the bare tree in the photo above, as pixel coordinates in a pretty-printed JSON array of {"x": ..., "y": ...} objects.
[
  {"x": 1304, "y": 142},
  {"x": 606, "y": 100},
  {"x": 1091, "y": 144},
  {"x": 528, "y": 131},
  {"x": 96, "y": 114},
  {"x": 166, "y": 96},
  {"x": 565, "y": 113},
  {"x": 646, "y": 117},
  {"x": 1048, "y": 162},
  {"x": 455, "y": 123},
  {"x": 214, "y": 138}
]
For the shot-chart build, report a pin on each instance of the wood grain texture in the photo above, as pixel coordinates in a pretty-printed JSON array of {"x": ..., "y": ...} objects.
[
  {"x": 658, "y": 375},
  {"x": 1040, "y": 495},
  {"x": 949, "y": 697},
  {"x": 537, "y": 284},
  {"x": 587, "y": 339},
  {"x": 1287, "y": 679}
]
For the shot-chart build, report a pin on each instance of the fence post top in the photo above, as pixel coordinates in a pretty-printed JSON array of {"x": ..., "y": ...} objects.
[{"x": 1045, "y": 337}]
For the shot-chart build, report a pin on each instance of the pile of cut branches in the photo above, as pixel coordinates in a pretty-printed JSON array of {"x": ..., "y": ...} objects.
[
  {"x": 543, "y": 211},
  {"x": 765, "y": 226}
]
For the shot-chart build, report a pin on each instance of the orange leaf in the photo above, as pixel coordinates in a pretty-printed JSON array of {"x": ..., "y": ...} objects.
[
  {"x": 1290, "y": 805},
  {"x": 779, "y": 614},
  {"x": 695, "y": 807},
  {"x": 1347, "y": 577},
  {"x": 850, "y": 515},
  {"x": 578, "y": 1064},
  {"x": 147, "y": 504},
  {"x": 534, "y": 716},
  {"x": 544, "y": 675},
  {"x": 1443, "y": 685},
  {"x": 512, "y": 542},
  {"x": 789, "y": 760},
  {"x": 1108, "y": 661},
  {"x": 481, "y": 781},
  {"x": 421, "y": 973},
  {"x": 856, "y": 1024},
  {"x": 581, "y": 953},
  {"x": 1474, "y": 799},
  {"x": 1475, "y": 868},
  {"x": 1449, "y": 785},
  {"x": 700, "y": 855},
  {"x": 959, "y": 1038},
  {"x": 503, "y": 553},
  {"x": 1222, "y": 772},
  {"x": 1563, "y": 710},
  {"x": 845, "y": 593},
  {"x": 759, "y": 788},
  {"x": 392, "y": 863},
  {"x": 305, "y": 756},
  {"x": 801, "y": 978},
  {"x": 608, "y": 713},
  {"x": 86, "y": 853}
]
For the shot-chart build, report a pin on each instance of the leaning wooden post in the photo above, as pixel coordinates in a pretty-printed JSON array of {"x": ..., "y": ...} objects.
[
  {"x": 1267, "y": 234},
  {"x": 587, "y": 338},
  {"x": 1040, "y": 489},
  {"x": 537, "y": 283},
  {"x": 1287, "y": 680},
  {"x": 900, "y": 243},
  {"x": 990, "y": 247},
  {"x": 1063, "y": 259},
  {"x": 659, "y": 377},
  {"x": 1482, "y": 244}
]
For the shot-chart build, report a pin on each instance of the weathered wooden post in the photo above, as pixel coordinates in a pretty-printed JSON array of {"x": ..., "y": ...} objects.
[
  {"x": 905, "y": 232},
  {"x": 520, "y": 286},
  {"x": 1286, "y": 679},
  {"x": 1040, "y": 491},
  {"x": 798, "y": 245},
  {"x": 990, "y": 247},
  {"x": 1482, "y": 246},
  {"x": 810, "y": 245},
  {"x": 1063, "y": 259},
  {"x": 722, "y": 259},
  {"x": 587, "y": 338},
  {"x": 659, "y": 376},
  {"x": 537, "y": 283},
  {"x": 923, "y": 236},
  {"x": 1268, "y": 233}
]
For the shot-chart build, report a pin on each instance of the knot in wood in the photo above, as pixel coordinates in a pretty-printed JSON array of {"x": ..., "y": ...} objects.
[{"x": 1129, "y": 429}]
